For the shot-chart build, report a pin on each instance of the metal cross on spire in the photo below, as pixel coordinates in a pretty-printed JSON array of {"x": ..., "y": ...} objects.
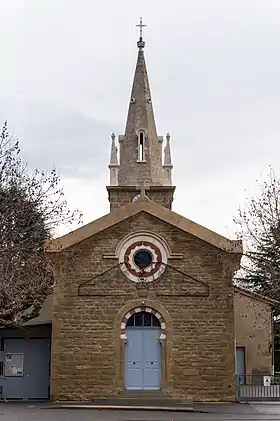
[{"x": 141, "y": 26}]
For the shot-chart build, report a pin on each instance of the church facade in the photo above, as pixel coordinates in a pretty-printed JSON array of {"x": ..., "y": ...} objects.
[{"x": 143, "y": 301}]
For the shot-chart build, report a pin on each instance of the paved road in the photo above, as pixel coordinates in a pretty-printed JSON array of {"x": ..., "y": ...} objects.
[{"x": 19, "y": 412}]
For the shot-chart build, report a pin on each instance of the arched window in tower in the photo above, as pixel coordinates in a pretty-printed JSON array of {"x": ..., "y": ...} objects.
[{"x": 141, "y": 146}]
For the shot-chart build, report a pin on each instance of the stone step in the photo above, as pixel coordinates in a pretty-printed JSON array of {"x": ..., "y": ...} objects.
[
  {"x": 134, "y": 398},
  {"x": 153, "y": 393},
  {"x": 143, "y": 407},
  {"x": 143, "y": 395},
  {"x": 146, "y": 398}
]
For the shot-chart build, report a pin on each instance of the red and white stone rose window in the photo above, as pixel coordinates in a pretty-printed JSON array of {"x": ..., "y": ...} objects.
[{"x": 143, "y": 257}]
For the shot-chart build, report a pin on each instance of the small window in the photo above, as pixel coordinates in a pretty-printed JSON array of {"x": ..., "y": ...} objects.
[
  {"x": 143, "y": 319},
  {"x": 143, "y": 259},
  {"x": 139, "y": 319},
  {"x": 155, "y": 321},
  {"x": 141, "y": 146},
  {"x": 130, "y": 321},
  {"x": 147, "y": 319}
]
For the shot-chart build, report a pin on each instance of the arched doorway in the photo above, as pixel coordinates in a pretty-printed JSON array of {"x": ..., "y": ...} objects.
[{"x": 143, "y": 352}]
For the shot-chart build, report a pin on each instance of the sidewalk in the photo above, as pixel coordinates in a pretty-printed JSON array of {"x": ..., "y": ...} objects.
[
  {"x": 251, "y": 408},
  {"x": 272, "y": 408},
  {"x": 234, "y": 409}
]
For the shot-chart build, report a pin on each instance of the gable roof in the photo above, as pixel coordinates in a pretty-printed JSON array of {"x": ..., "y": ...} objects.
[
  {"x": 255, "y": 296},
  {"x": 151, "y": 208}
]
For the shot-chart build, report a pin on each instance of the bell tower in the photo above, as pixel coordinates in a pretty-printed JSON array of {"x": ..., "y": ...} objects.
[{"x": 140, "y": 148}]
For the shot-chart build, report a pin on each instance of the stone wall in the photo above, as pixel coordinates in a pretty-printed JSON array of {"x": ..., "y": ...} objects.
[
  {"x": 253, "y": 329},
  {"x": 120, "y": 195},
  {"x": 87, "y": 352}
]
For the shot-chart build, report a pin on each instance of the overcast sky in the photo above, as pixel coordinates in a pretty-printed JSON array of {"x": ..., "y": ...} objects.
[{"x": 214, "y": 69}]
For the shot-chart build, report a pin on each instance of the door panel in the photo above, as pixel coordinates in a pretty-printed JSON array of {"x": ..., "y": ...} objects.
[
  {"x": 151, "y": 359},
  {"x": 143, "y": 359},
  {"x": 34, "y": 383},
  {"x": 240, "y": 364},
  {"x": 134, "y": 372},
  {"x": 38, "y": 369},
  {"x": 14, "y": 387}
]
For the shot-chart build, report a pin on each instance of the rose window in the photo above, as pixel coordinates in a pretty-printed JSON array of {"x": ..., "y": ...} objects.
[{"x": 143, "y": 257}]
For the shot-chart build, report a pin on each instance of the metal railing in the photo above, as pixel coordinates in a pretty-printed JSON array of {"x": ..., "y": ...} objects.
[{"x": 258, "y": 388}]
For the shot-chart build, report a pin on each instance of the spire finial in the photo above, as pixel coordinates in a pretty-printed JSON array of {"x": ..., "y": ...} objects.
[
  {"x": 114, "y": 151},
  {"x": 168, "y": 137},
  {"x": 141, "y": 43},
  {"x": 167, "y": 152}
]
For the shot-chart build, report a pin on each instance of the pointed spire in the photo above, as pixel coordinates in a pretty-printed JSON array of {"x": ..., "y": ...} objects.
[
  {"x": 140, "y": 113},
  {"x": 167, "y": 166},
  {"x": 114, "y": 166},
  {"x": 114, "y": 151},
  {"x": 140, "y": 147},
  {"x": 167, "y": 152}
]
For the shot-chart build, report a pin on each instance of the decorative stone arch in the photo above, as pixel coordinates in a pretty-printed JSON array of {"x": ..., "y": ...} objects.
[
  {"x": 165, "y": 339},
  {"x": 147, "y": 310},
  {"x": 143, "y": 233}
]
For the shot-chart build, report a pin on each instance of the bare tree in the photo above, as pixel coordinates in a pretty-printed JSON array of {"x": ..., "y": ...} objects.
[
  {"x": 259, "y": 227},
  {"x": 31, "y": 207}
]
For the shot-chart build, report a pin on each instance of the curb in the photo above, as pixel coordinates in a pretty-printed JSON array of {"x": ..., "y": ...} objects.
[{"x": 126, "y": 407}]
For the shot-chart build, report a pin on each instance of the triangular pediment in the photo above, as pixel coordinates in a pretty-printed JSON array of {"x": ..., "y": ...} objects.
[
  {"x": 106, "y": 283},
  {"x": 153, "y": 209},
  {"x": 173, "y": 282}
]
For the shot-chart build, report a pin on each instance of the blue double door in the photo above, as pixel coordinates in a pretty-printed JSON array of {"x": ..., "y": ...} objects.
[{"x": 143, "y": 358}]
